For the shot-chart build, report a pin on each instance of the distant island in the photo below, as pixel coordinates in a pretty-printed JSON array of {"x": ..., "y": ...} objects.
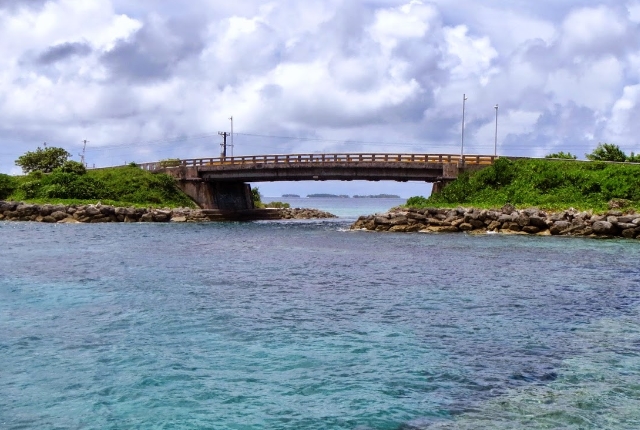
[
  {"x": 378, "y": 196},
  {"x": 328, "y": 196},
  {"x": 344, "y": 196}
]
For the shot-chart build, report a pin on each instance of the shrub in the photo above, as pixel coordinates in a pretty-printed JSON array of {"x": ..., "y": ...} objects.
[
  {"x": 64, "y": 185},
  {"x": 87, "y": 188},
  {"x": 53, "y": 191},
  {"x": 633, "y": 158},
  {"x": 417, "y": 202},
  {"x": 562, "y": 155},
  {"x": 30, "y": 189},
  {"x": 73, "y": 167},
  {"x": 7, "y": 186},
  {"x": 170, "y": 162},
  {"x": 278, "y": 205}
]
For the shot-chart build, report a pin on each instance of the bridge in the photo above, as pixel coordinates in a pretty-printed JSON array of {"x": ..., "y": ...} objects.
[{"x": 221, "y": 183}]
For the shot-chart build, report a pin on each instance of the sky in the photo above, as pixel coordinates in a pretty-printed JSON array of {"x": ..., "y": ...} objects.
[{"x": 155, "y": 79}]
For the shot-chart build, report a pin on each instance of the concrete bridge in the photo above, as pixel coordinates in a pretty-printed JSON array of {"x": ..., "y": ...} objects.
[{"x": 221, "y": 183}]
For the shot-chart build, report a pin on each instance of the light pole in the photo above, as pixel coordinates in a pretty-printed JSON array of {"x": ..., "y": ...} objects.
[
  {"x": 464, "y": 100},
  {"x": 495, "y": 143},
  {"x": 231, "y": 119}
]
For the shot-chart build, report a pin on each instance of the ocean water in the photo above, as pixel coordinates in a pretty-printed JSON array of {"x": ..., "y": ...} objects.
[
  {"x": 346, "y": 208},
  {"x": 305, "y": 325}
]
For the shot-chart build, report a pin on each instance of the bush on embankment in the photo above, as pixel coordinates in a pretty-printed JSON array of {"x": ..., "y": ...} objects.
[
  {"x": 548, "y": 184},
  {"x": 118, "y": 186},
  {"x": 7, "y": 186}
]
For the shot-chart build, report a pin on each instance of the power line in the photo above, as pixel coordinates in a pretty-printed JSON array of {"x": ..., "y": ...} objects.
[
  {"x": 316, "y": 139},
  {"x": 165, "y": 141},
  {"x": 168, "y": 141}
]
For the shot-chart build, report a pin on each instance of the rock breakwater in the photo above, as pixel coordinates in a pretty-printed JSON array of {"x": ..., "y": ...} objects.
[
  {"x": 48, "y": 213},
  {"x": 507, "y": 220}
]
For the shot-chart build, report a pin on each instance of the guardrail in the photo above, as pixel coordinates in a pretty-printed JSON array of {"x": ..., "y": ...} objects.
[{"x": 321, "y": 158}]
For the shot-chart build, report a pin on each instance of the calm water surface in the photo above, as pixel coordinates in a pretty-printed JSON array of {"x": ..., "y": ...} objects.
[
  {"x": 346, "y": 208},
  {"x": 304, "y": 325}
]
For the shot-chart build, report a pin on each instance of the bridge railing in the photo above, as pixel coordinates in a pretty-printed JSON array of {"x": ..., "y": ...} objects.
[{"x": 322, "y": 158}]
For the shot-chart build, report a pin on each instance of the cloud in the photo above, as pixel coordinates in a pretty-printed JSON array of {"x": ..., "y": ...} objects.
[
  {"x": 63, "y": 51},
  {"x": 623, "y": 121},
  {"x": 155, "y": 51},
  {"x": 123, "y": 74},
  {"x": 14, "y": 5}
]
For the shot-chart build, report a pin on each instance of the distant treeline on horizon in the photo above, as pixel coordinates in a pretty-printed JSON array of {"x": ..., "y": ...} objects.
[{"x": 344, "y": 196}]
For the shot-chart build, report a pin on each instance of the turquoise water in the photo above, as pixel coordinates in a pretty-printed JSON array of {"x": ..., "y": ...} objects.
[
  {"x": 304, "y": 325},
  {"x": 347, "y": 208}
]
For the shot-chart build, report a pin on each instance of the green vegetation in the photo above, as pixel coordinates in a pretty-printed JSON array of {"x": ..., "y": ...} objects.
[
  {"x": 547, "y": 184},
  {"x": 170, "y": 162},
  {"x": 328, "y": 196},
  {"x": 562, "y": 155},
  {"x": 44, "y": 160},
  {"x": 277, "y": 205},
  {"x": 607, "y": 152},
  {"x": 610, "y": 152},
  {"x": 256, "y": 197},
  {"x": 72, "y": 184},
  {"x": 73, "y": 167},
  {"x": 7, "y": 186}
]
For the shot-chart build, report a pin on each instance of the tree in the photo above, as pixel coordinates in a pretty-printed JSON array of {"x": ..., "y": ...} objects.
[
  {"x": 256, "y": 197},
  {"x": 607, "y": 152},
  {"x": 44, "y": 160},
  {"x": 563, "y": 155}
]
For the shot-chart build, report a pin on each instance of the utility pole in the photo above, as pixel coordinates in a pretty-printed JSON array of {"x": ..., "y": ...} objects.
[
  {"x": 495, "y": 143},
  {"x": 84, "y": 150},
  {"x": 224, "y": 135},
  {"x": 231, "y": 119},
  {"x": 464, "y": 100}
]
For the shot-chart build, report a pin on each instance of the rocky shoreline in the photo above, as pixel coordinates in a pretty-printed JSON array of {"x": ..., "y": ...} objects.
[
  {"x": 508, "y": 220},
  {"x": 18, "y": 211}
]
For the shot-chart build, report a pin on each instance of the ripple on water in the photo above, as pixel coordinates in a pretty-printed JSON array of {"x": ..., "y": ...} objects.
[{"x": 303, "y": 325}]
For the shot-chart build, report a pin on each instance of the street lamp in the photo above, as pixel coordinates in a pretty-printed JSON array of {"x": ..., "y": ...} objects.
[
  {"x": 231, "y": 119},
  {"x": 495, "y": 143},
  {"x": 464, "y": 100}
]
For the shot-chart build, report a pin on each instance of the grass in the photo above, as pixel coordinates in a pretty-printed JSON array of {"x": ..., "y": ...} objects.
[
  {"x": 546, "y": 184},
  {"x": 118, "y": 186}
]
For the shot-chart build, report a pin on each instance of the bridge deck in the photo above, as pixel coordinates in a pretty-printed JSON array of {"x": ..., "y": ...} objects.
[
  {"x": 221, "y": 183},
  {"x": 334, "y": 159}
]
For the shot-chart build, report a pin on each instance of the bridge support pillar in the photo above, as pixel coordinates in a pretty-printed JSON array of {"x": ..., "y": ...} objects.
[
  {"x": 439, "y": 186},
  {"x": 225, "y": 196}
]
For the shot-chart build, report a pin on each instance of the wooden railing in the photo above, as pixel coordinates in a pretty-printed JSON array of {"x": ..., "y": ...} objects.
[{"x": 322, "y": 158}]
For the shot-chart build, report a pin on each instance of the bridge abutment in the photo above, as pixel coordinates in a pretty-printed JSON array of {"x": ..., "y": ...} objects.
[
  {"x": 208, "y": 194},
  {"x": 231, "y": 196},
  {"x": 225, "y": 196}
]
